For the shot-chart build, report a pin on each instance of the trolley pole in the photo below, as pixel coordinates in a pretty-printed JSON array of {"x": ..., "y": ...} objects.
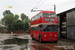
[{"x": 55, "y": 8}]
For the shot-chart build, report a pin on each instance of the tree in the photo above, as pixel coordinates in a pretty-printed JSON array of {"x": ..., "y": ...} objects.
[
  {"x": 18, "y": 25},
  {"x": 26, "y": 25},
  {"x": 16, "y": 16},
  {"x": 6, "y": 12},
  {"x": 26, "y": 21},
  {"x": 23, "y": 17},
  {"x": 0, "y": 22},
  {"x": 8, "y": 21},
  {"x": 12, "y": 21}
]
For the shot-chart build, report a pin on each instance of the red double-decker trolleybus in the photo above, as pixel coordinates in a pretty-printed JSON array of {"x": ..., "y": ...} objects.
[{"x": 44, "y": 26}]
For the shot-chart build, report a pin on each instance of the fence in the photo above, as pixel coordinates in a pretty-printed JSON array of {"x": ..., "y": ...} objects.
[{"x": 17, "y": 32}]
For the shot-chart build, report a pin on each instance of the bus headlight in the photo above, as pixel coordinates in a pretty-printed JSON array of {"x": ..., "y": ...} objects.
[
  {"x": 55, "y": 35},
  {"x": 45, "y": 35}
]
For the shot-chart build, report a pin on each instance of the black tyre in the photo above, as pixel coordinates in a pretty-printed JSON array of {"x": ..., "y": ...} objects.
[
  {"x": 55, "y": 41},
  {"x": 32, "y": 37},
  {"x": 40, "y": 39}
]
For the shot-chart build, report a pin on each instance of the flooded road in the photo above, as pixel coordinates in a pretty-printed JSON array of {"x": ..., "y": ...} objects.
[{"x": 24, "y": 42}]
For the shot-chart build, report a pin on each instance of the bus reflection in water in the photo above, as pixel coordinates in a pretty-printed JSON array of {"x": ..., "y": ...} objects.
[
  {"x": 40, "y": 47},
  {"x": 44, "y": 26},
  {"x": 36, "y": 47}
]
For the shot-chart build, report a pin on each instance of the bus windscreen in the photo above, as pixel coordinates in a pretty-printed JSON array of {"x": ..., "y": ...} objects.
[
  {"x": 53, "y": 28},
  {"x": 46, "y": 28}
]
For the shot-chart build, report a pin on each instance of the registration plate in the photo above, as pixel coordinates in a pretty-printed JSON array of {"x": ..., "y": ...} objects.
[
  {"x": 49, "y": 22},
  {"x": 50, "y": 38}
]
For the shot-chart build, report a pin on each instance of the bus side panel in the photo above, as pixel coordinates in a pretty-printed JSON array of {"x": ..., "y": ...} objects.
[
  {"x": 30, "y": 32},
  {"x": 35, "y": 34},
  {"x": 37, "y": 21}
]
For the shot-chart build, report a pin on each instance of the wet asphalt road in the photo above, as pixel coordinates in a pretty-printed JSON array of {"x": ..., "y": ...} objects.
[{"x": 24, "y": 42}]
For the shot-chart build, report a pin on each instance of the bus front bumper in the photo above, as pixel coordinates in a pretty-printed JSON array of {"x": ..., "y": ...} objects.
[{"x": 50, "y": 39}]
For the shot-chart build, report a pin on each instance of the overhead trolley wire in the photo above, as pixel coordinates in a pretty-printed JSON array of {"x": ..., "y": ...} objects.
[
  {"x": 41, "y": 3},
  {"x": 37, "y": 4}
]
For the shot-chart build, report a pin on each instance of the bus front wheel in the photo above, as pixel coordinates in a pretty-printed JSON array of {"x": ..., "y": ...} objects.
[{"x": 40, "y": 39}]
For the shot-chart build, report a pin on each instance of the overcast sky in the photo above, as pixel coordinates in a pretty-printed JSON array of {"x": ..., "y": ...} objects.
[{"x": 25, "y": 6}]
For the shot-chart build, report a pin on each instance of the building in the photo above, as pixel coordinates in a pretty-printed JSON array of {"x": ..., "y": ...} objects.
[{"x": 66, "y": 24}]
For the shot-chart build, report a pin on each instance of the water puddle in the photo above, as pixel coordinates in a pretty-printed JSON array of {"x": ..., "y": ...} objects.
[{"x": 15, "y": 43}]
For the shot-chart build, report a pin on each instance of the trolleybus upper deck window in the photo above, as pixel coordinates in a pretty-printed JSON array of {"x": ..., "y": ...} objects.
[
  {"x": 45, "y": 14},
  {"x": 49, "y": 15},
  {"x": 52, "y": 15}
]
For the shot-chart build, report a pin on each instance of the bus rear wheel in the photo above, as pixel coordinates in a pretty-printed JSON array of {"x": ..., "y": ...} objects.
[
  {"x": 40, "y": 39},
  {"x": 55, "y": 41},
  {"x": 32, "y": 37}
]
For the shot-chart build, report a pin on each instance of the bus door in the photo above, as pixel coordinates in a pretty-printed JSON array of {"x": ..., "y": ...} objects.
[{"x": 40, "y": 29}]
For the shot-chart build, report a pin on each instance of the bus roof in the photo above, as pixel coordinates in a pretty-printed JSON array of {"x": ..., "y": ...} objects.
[
  {"x": 45, "y": 12},
  {"x": 48, "y": 11}
]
